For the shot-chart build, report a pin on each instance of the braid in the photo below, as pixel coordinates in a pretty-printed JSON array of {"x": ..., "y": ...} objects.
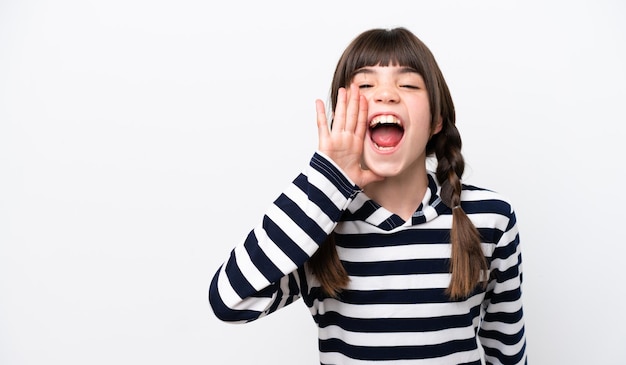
[
  {"x": 327, "y": 267},
  {"x": 467, "y": 259}
]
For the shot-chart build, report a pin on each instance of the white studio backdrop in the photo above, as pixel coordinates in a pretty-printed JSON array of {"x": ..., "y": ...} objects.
[{"x": 141, "y": 140}]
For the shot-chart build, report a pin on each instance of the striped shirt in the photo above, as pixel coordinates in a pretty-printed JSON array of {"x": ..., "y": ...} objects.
[{"x": 394, "y": 309}]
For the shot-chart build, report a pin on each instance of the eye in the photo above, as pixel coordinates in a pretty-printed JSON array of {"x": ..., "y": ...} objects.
[
  {"x": 410, "y": 86},
  {"x": 364, "y": 86}
]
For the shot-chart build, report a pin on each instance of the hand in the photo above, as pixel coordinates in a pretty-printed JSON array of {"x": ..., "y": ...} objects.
[{"x": 344, "y": 142}]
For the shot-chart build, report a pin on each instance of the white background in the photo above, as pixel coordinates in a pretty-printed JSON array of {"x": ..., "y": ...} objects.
[{"x": 141, "y": 140}]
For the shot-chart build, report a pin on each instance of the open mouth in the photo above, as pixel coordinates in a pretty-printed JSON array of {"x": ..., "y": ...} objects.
[{"x": 386, "y": 131}]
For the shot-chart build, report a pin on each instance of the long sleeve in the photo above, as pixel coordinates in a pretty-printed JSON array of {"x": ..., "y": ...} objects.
[
  {"x": 260, "y": 276},
  {"x": 502, "y": 332}
]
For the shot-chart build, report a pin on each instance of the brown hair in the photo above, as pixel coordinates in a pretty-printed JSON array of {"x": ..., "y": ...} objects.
[{"x": 399, "y": 46}]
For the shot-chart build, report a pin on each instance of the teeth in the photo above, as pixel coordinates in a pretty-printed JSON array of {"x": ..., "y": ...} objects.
[{"x": 384, "y": 119}]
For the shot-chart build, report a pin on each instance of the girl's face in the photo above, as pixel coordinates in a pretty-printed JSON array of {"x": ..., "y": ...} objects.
[{"x": 398, "y": 116}]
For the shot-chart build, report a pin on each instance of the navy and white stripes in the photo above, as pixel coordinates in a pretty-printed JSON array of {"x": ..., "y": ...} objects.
[{"x": 394, "y": 310}]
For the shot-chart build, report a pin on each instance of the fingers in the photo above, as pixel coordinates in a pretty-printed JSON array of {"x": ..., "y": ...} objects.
[
  {"x": 361, "y": 121},
  {"x": 322, "y": 122},
  {"x": 352, "y": 112},
  {"x": 339, "y": 120},
  {"x": 343, "y": 143}
]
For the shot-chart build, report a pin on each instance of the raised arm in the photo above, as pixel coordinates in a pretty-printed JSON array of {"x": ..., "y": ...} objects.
[{"x": 260, "y": 275}]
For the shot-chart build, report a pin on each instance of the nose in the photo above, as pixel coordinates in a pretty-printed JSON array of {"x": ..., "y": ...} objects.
[{"x": 386, "y": 94}]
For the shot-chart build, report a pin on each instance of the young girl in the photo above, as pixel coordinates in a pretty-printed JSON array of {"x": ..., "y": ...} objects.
[{"x": 397, "y": 264}]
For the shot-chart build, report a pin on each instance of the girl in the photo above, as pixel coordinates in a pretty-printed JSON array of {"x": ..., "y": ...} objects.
[{"x": 397, "y": 264}]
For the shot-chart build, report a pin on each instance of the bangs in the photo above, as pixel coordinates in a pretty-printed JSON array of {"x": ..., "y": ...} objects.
[{"x": 388, "y": 48}]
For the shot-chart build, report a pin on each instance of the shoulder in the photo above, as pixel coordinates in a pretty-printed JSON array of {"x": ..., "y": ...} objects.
[
  {"x": 490, "y": 211},
  {"x": 475, "y": 199}
]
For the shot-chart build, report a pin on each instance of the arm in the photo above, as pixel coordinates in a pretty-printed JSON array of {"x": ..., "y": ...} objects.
[
  {"x": 502, "y": 332},
  {"x": 260, "y": 276}
]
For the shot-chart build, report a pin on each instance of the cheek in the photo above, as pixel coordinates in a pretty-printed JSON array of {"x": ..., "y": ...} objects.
[
  {"x": 367, "y": 92},
  {"x": 421, "y": 110}
]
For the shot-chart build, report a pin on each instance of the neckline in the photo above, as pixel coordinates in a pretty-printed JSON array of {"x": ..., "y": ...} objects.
[{"x": 366, "y": 209}]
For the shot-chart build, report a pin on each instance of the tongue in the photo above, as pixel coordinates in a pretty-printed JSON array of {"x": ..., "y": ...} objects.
[{"x": 386, "y": 136}]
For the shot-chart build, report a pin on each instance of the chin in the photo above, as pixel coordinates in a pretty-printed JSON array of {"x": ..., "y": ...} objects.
[{"x": 384, "y": 168}]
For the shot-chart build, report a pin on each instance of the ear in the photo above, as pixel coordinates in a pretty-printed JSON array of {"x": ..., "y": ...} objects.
[{"x": 438, "y": 126}]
